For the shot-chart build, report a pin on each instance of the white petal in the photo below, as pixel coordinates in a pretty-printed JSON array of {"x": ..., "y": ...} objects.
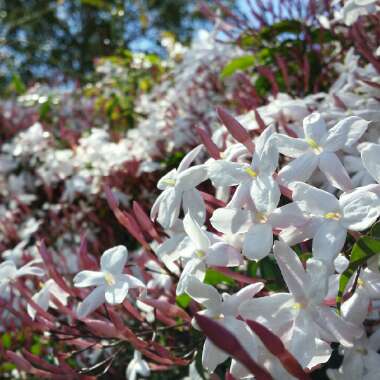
[
  {"x": 225, "y": 173},
  {"x": 370, "y": 156},
  {"x": 314, "y": 201},
  {"x": 258, "y": 241},
  {"x": 91, "y": 302},
  {"x": 193, "y": 267},
  {"x": 329, "y": 240},
  {"x": 265, "y": 193},
  {"x": 345, "y": 133},
  {"x": 272, "y": 311},
  {"x": 169, "y": 207},
  {"x": 41, "y": 298},
  {"x": 204, "y": 294},
  {"x": 196, "y": 234},
  {"x": 132, "y": 281},
  {"x": 231, "y": 303},
  {"x": 292, "y": 270},
  {"x": 355, "y": 309},
  {"x": 189, "y": 158},
  {"x": 360, "y": 210},
  {"x": 192, "y": 201},
  {"x": 230, "y": 220},
  {"x": 288, "y": 215},
  {"x": 115, "y": 294},
  {"x": 113, "y": 260},
  {"x": 191, "y": 177},
  {"x": 301, "y": 338},
  {"x": 291, "y": 147},
  {"x": 300, "y": 169},
  {"x": 344, "y": 332},
  {"x": 334, "y": 171},
  {"x": 222, "y": 254},
  {"x": 314, "y": 127},
  {"x": 88, "y": 278},
  {"x": 212, "y": 356}
]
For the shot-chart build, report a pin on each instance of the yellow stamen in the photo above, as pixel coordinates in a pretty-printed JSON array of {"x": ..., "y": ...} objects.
[
  {"x": 261, "y": 217},
  {"x": 200, "y": 254},
  {"x": 360, "y": 282},
  {"x": 298, "y": 306},
  {"x": 251, "y": 172},
  {"x": 314, "y": 145},
  {"x": 169, "y": 181},
  {"x": 109, "y": 278},
  {"x": 332, "y": 216}
]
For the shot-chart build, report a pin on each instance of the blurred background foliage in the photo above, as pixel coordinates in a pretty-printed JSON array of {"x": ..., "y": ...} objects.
[{"x": 50, "y": 39}]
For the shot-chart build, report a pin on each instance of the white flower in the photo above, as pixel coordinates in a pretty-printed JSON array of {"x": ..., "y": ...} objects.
[
  {"x": 202, "y": 250},
  {"x": 318, "y": 149},
  {"x": 370, "y": 157},
  {"x": 9, "y": 272},
  {"x": 354, "y": 211},
  {"x": 137, "y": 366},
  {"x": 111, "y": 283},
  {"x": 362, "y": 361},
  {"x": 224, "y": 309},
  {"x": 353, "y": 9},
  {"x": 257, "y": 224},
  {"x": 179, "y": 189},
  {"x": 42, "y": 297},
  {"x": 304, "y": 323},
  {"x": 255, "y": 178}
]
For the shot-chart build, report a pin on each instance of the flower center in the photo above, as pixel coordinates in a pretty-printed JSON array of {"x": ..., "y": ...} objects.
[
  {"x": 332, "y": 216},
  {"x": 200, "y": 254},
  {"x": 298, "y": 306},
  {"x": 169, "y": 181},
  {"x": 361, "y": 283},
  {"x": 314, "y": 145},
  {"x": 251, "y": 172},
  {"x": 109, "y": 278},
  {"x": 261, "y": 218}
]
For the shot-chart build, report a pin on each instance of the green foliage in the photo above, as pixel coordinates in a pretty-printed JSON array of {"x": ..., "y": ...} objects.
[
  {"x": 240, "y": 63},
  {"x": 213, "y": 277},
  {"x": 364, "y": 248},
  {"x": 270, "y": 272}
]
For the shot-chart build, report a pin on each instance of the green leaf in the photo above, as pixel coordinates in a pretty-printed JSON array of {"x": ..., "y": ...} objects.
[
  {"x": 240, "y": 63},
  {"x": 270, "y": 271},
  {"x": 6, "y": 340},
  {"x": 364, "y": 249},
  {"x": 214, "y": 277},
  {"x": 183, "y": 301}
]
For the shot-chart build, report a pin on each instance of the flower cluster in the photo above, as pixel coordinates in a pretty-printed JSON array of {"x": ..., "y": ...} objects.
[{"x": 260, "y": 256}]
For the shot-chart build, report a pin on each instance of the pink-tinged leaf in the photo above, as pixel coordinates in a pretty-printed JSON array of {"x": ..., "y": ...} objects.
[
  {"x": 339, "y": 102},
  {"x": 53, "y": 273},
  {"x": 268, "y": 74},
  {"x": 227, "y": 342},
  {"x": 112, "y": 201},
  {"x": 164, "y": 353},
  {"x": 132, "y": 311},
  {"x": 84, "y": 259},
  {"x": 167, "y": 308},
  {"x": 25, "y": 293},
  {"x": 210, "y": 146},
  {"x": 217, "y": 203},
  {"x": 164, "y": 318},
  {"x": 284, "y": 71},
  {"x": 238, "y": 276},
  {"x": 229, "y": 376},
  {"x": 36, "y": 361},
  {"x": 259, "y": 121},
  {"x": 275, "y": 346},
  {"x": 19, "y": 361},
  {"x": 102, "y": 328},
  {"x": 235, "y": 128},
  {"x": 145, "y": 222}
]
